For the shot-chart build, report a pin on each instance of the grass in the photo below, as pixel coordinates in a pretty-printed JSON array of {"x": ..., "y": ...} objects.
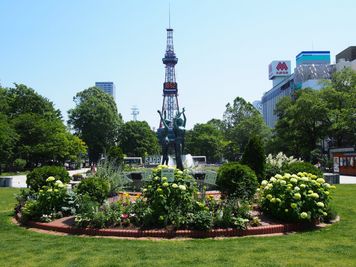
[
  {"x": 14, "y": 173},
  {"x": 332, "y": 246}
]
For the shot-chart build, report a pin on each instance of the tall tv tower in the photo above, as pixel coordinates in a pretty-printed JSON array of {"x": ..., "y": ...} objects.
[{"x": 170, "y": 89}]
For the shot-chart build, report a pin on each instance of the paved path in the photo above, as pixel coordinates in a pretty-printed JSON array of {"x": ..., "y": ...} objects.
[
  {"x": 345, "y": 179},
  {"x": 19, "y": 181}
]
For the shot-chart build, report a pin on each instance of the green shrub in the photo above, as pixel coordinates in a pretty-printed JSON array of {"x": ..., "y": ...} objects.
[
  {"x": 296, "y": 167},
  {"x": 237, "y": 180},
  {"x": 37, "y": 178},
  {"x": 297, "y": 197},
  {"x": 254, "y": 157},
  {"x": 96, "y": 188}
]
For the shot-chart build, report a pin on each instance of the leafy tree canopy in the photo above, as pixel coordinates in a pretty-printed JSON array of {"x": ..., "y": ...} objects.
[
  {"x": 95, "y": 120},
  {"x": 205, "y": 139},
  {"x": 242, "y": 121},
  {"x": 138, "y": 140}
]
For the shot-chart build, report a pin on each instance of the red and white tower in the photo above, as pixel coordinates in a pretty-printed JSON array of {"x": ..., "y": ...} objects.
[{"x": 170, "y": 88}]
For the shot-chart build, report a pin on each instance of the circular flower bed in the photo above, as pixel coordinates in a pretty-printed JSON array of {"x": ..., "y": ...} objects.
[{"x": 172, "y": 206}]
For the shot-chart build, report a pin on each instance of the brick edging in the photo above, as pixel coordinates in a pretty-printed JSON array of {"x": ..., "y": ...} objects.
[{"x": 163, "y": 233}]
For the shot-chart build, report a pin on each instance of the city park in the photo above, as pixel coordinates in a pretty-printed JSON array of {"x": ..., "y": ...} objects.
[{"x": 176, "y": 212}]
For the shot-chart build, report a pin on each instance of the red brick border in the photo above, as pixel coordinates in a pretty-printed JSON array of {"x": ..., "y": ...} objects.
[{"x": 228, "y": 232}]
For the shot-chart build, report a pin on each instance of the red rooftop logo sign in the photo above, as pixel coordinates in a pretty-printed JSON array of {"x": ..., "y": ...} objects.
[
  {"x": 282, "y": 68},
  {"x": 279, "y": 68}
]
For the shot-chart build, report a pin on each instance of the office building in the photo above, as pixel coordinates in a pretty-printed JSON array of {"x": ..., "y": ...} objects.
[
  {"x": 346, "y": 59},
  {"x": 311, "y": 68}
]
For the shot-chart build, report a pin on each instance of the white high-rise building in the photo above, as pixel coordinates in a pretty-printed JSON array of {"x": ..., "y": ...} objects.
[{"x": 107, "y": 87}]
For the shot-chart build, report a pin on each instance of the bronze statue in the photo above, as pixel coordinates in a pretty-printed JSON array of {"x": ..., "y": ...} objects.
[
  {"x": 178, "y": 140},
  {"x": 179, "y": 133},
  {"x": 164, "y": 138}
]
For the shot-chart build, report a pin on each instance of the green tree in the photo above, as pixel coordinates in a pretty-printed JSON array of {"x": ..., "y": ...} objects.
[
  {"x": 95, "y": 120},
  {"x": 339, "y": 95},
  {"x": 302, "y": 123},
  {"x": 8, "y": 138},
  {"x": 22, "y": 99},
  {"x": 205, "y": 139},
  {"x": 242, "y": 121},
  {"x": 36, "y": 128},
  {"x": 138, "y": 140},
  {"x": 254, "y": 157}
]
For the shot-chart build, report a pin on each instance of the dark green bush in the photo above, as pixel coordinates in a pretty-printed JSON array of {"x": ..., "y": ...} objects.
[
  {"x": 19, "y": 164},
  {"x": 37, "y": 178},
  {"x": 96, "y": 188},
  {"x": 254, "y": 157},
  {"x": 296, "y": 167},
  {"x": 237, "y": 180}
]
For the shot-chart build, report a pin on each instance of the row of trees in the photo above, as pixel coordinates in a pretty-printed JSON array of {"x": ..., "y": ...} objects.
[
  {"x": 227, "y": 138},
  {"x": 308, "y": 121},
  {"x": 32, "y": 131}
]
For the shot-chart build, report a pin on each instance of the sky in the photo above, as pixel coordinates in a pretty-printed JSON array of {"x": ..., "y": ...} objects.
[{"x": 60, "y": 48}]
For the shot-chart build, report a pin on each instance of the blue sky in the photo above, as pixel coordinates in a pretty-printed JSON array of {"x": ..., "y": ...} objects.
[{"x": 224, "y": 47}]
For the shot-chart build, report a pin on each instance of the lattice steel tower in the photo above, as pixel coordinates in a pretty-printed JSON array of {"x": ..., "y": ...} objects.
[{"x": 170, "y": 88}]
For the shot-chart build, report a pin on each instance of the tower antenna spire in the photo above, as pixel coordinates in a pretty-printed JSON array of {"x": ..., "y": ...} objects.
[{"x": 169, "y": 14}]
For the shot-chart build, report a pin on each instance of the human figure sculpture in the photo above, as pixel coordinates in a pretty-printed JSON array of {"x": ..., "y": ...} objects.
[
  {"x": 179, "y": 132},
  {"x": 165, "y": 139}
]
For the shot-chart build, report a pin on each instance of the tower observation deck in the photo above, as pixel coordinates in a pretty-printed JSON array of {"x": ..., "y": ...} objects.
[{"x": 170, "y": 88}]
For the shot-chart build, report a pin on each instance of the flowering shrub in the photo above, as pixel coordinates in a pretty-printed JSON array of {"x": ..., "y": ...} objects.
[
  {"x": 296, "y": 197},
  {"x": 277, "y": 164},
  {"x": 50, "y": 202},
  {"x": 177, "y": 204},
  {"x": 280, "y": 160},
  {"x": 168, "y": 203}
]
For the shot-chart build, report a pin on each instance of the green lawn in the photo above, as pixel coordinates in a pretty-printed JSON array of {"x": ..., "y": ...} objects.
[{"x": 332, "y": 246}]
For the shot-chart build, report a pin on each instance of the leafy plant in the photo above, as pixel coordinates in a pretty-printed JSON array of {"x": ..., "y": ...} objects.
[
  {"x": 112, "y": 173},
  {"x": 37, "y": 177},
  {"x": 231, "y": 212},
  {"x": 96, "y": 188},
  {"x": 95, "y": 216},
  {"x": 237, "y": 180}
]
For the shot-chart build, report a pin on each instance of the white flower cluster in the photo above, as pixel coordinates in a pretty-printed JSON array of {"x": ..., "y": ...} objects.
[
  {"x": 281, "y": 159},
  {"x": 302, "y": 195}
]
